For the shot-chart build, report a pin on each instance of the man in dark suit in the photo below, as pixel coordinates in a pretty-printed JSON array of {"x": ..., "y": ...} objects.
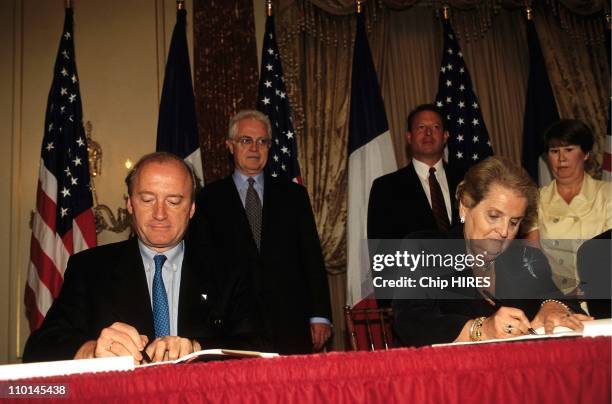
[
  {"x": 118, "y": 297},
  {"x": 420, "y": 196},
  {"x": 266, "y": 228}
]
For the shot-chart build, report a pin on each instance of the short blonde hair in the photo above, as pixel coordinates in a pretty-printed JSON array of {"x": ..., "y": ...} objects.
[
  {"x": 248, "y": 114},
  {"x": 498, "y": 170}
]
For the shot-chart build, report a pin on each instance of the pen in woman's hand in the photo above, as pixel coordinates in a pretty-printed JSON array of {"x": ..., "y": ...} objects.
[{"x": 497, "y": 303}]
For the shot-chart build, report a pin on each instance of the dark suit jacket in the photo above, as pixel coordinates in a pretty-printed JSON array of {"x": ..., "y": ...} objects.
[
  {"x": 288, "y": 273},
  {"x": 107, "y": 284},
  {"x": 398, "y": 204},
  {"x": 522, "y": 280},
  {"x": 594, "y": 265}
]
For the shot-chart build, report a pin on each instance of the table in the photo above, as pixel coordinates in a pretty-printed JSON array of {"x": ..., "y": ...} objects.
[{"x": 557, "y": 370}]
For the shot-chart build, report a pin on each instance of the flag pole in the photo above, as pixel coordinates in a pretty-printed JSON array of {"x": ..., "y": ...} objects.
[
  {"x": 180, "y": 4},
  {"x": 269, "y": 8}
]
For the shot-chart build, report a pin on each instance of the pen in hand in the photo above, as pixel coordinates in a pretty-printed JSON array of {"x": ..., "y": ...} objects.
[
  {"x": 496, "y": 302},
  {"x": 145, "y": 356}
]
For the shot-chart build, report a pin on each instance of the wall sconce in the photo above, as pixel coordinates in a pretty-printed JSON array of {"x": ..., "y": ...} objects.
[{"x": 105, "y": 219}]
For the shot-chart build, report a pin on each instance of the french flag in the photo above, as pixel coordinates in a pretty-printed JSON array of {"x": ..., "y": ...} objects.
[{"x": 371, "y": 155}]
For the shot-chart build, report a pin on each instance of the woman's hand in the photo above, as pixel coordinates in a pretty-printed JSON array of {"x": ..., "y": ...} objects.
[
  {"x": 505, "y": 323},
  {"x": 554, "y": 314}
]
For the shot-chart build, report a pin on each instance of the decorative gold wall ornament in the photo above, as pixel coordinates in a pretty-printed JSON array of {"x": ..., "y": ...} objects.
[{"x": 105, "y": 219}]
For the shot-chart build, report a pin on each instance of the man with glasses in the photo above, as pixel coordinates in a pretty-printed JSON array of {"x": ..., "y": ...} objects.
[{"x": 265, "y": 227}]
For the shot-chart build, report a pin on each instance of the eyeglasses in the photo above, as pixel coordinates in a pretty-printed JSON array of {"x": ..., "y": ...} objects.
[{"x": 246, "y": 141}]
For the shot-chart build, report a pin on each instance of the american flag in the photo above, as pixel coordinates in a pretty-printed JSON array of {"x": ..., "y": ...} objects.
[
  {"x": 63, "y": 222},
  {"x": 468, "y": 141},
  {"x": 273, "y": 101}
]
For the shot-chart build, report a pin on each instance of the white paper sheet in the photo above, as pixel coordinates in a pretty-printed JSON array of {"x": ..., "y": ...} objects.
[
  {"x": 69, "y": 367},
  {"x": 593, "y": 328}
]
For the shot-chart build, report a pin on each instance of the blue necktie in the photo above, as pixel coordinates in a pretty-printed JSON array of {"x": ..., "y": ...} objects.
[{"x": 161, "y": 318}]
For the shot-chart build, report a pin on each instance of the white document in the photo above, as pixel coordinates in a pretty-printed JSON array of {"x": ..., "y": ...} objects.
[
  {"x": 216, "y": 353},
  {"x": 69, "y": 367},
  {"x": 596, "y": 328},
  {"x": 593, "y": 328}
]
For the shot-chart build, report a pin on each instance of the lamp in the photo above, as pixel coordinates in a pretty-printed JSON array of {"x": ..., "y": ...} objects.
[{"x": 102, "y": 213}]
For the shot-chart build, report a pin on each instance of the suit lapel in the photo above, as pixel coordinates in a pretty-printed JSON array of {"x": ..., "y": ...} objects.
[
  {"x": 130, "y": 292},
  {"x": 414, "y": 185},
  {"x": 268, "y": 215},
  {"x": 192, "y": 299},
  {"x": 452, "y": 182}
]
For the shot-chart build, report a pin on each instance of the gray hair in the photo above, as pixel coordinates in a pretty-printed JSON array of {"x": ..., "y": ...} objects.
[
  {"x": 248, "y": 114},
  {"x": 160, "y": 157}
]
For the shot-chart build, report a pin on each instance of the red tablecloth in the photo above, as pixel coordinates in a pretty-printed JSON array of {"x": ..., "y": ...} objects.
[{"x": 571, "y": 370}]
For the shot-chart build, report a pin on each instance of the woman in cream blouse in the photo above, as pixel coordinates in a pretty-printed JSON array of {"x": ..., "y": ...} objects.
[{"x": 574, "y": 207}]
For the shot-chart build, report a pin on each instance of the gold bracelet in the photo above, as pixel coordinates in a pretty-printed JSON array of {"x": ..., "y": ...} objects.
[
  {"x": 565, "y": 306},
  {"x": 471, "y": 331},
  {"x": 476, "y": 329}
]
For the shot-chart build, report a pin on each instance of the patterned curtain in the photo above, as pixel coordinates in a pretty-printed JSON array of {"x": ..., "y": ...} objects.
[
  {"x": 226, "y": 75},
  {"x": 315, "y": 39}
]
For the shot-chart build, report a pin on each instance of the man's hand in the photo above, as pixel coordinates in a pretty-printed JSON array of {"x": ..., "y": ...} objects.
[
  {"x": 320, "y": 333},
  {"x": 119, "y": 339},
  {"x": 171, "y": 348}
]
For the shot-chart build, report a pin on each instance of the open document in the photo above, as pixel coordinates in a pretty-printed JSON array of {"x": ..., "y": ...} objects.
[{"x": 207, "y": 355}]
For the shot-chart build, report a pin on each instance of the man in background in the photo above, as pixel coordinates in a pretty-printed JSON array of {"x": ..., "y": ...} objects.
[
  {"x": 420, "y": 196},
  {"x": 266, "y": 227}
]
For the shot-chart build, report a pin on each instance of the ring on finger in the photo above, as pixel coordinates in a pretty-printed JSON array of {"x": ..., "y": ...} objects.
[{"x": 508, "y": 328}]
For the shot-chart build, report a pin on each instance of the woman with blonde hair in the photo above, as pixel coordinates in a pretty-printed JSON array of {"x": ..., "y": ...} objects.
[{"x": 495, "y": 198}]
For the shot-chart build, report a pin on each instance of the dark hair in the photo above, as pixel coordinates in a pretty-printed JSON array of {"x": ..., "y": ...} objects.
[
  {"x": 498, "y": 170},
  {"x": 569, "y": 132},
  {"x": 160, "y": 157},
  {"x": 421, "y": 108}
]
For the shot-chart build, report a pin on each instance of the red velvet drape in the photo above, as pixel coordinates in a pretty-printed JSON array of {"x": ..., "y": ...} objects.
[{"x": 559, "y": 371}]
